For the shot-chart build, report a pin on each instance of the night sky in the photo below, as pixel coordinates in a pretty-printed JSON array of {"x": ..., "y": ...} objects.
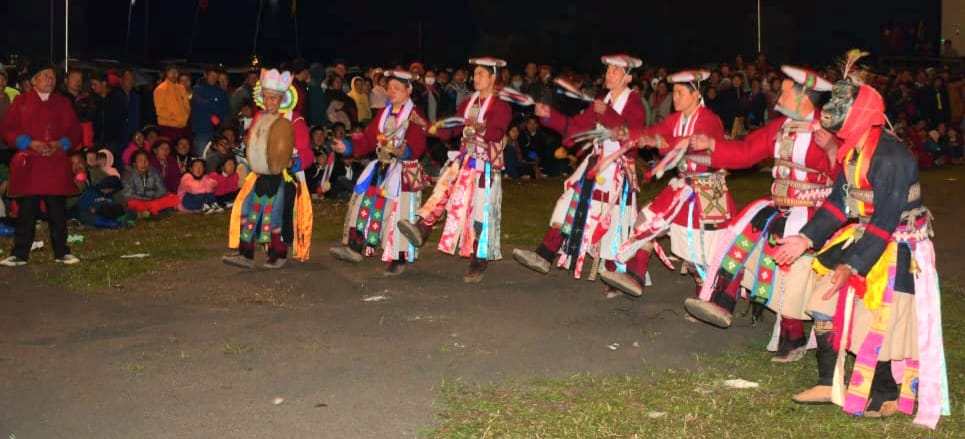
[{"x": 674, "y": 33}]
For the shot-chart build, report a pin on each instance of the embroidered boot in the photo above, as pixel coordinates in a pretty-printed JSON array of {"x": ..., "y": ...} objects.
[{"x": 416, "y": 233}]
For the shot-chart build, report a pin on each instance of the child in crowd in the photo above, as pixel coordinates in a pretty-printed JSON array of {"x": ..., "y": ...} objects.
[
  {"x": 344, "y": 176},
  {"x": 320, "y": 140},
  {"x": 196, "y": 192},
  {"x": 95, "y": 206},
  {"x": 144, "y": 189},
  {"x": 519, "y": 163},
  {"x": 228, "y": 182},
  {"x": 315, "y": 174},
  {"x": 166, "y": 165},
  {"x": 90, "y": 157},
  {"x": 138, "y": 143},
  {"x": 217, "y": 154},
  {"x": 933, "y": 146},
  {"x": 182, "y": 155},
  {"x": 245, "y": 117}
]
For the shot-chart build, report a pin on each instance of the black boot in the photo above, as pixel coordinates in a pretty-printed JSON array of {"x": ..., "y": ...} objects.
[
  {"x": 827, "y": 357},
  {"x": 884, "y": 393}
]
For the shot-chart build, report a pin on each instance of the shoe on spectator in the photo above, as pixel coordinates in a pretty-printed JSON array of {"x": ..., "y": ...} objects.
[
  {"x": 144, "y": 214},
  {"x": 216, "y": 208},
  {"x": 73, "y": 223},
  {"x": 13, "y": 261},
  {"x": 229, "y": 205},
  {"x": 67, "y": 259}
]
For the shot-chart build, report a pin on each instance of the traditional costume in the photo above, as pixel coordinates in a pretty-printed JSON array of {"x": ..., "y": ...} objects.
[
  {"x": 874, "y": 233},
  {"x": 598, "y": 207},
  {"x": 469, "y": 189},
  {"x": 803, "y": 172},
  {"x": 389, "y": 188},
  {"x": 273, "y": 207},
  {"x": 695, "y": 206}
]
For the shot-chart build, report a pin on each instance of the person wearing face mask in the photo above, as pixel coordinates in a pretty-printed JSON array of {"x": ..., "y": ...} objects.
[
  {"x": 877, "y": 291},
  {"x": 603, "y": 188},
  {"x": 42, "y": 126},
  {"x": 433, "y": 96},
  {"x": 804, "y": 166},
  {"x": 517, "y": 82},
  {"x": 469, "y": 191},
  {"x": 390, "y": 187},
  {"x": 694, "y": 207}
]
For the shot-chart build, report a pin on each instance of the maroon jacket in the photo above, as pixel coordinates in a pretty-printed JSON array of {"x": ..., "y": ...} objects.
[
  {"x": 29, "y": 118},
  {"x": 415, "y": 138}
]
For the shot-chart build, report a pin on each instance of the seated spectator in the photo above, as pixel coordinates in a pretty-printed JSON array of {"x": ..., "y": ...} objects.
[
  {"x": 519, "y": 163},
  {"x": 137, "y": 143},
  {"x": 165, "y": 164},
  {"x": 338, "y": 133},
  {"x": 245, "y": 117},
  {"x": 234, "y": 142},
  {"x": 144, "y": 189},
  {"x": 90, "y": 157},
  {"x": 228, "y": 182},
  {"x": 319, "y": 139},
  {"x": 196, "y": 191},
  {"x": 933, "y": 146},
  {"x": 218, "y": 153},
  {"x": 344, "y": 176},
  {"x": 95, "y": 206},
  {"x": 182, "y": 155},
  {"x": 315, "y": 174}
]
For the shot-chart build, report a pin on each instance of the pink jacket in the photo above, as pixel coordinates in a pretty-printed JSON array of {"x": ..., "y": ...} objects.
[
  {"x": 226, "y": 184},
  {"x": 128, "y": 153},
  {"x": 191, "y": 185}
]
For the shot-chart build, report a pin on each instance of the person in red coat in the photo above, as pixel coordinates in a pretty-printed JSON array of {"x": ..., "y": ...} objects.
[
  {"x": 598, "y": 205},
  {"x": 43, "y": 127},
  {"x": 390, "y": 187},
  {"x": 469, "y": 191},
  {"x": 804, "y": 171},
  {"x": 695, "y": 206}
]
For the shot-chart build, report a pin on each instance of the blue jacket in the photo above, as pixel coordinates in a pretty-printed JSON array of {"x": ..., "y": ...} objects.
[{"x": 206, "y": 101}]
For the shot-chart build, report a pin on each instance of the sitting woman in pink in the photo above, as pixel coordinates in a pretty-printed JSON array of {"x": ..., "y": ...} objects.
[
  {"x": 138, "y": 143},
  {"x": 229, "y": 182},
  {"x": 196, "y": 191}
]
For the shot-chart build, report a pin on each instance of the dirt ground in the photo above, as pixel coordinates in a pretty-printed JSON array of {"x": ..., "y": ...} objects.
[
  {"x": 206, "y": 352},
  {"x": 209, "y": 350}
]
